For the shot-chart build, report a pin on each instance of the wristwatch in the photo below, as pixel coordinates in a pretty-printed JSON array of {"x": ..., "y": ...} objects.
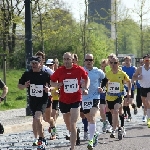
[{"x": 2, "y": 98}]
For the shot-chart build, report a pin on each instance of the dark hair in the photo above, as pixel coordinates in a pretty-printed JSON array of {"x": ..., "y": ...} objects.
[
  {"x": 147, "y": 55},
  {"x": 75, "y": 56}
]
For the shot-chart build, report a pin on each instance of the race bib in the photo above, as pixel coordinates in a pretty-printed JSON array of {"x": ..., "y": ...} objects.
[
  {"x": 70, "y": 85},
  {"x": 113, "y": 87},
  {"x": 36, "y": 90},
  {"x": 87, "y": 104}
]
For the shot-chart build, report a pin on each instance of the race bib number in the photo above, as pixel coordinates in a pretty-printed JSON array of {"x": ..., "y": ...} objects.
[
  {"x": 87, "y": 104},
  {"x": 36, "y": 90},
  {"x": 114, "y": 87},
  {"x": 70, "y": 85}
]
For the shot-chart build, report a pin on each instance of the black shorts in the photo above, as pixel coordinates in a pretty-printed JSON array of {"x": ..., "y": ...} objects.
[
  {"x": 112, "y": 103},
  {"x": 95, "y": 104},
  {"x": 132, "y": 94},
  {"x": 37, "y": 105},
  {"x": 55, "y": 104},
  {"x": 102, "y": 101},
  {"x": 65, "y": 108},
  {"x": 138, "y": 98},
  {"x": 49, "y": 102},
  {"x": 144, "y": 91}
]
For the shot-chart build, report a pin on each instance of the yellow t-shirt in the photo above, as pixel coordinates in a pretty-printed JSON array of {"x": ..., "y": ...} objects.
[
  {"x": 54, "y": 95},
  {"x": 115, "y": 80}
]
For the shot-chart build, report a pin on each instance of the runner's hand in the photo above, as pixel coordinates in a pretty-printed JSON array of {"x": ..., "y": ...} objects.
[
  {"x": 46, "y": 88},
  {"x": 128, "y": 95},
  {"x": 85, "y": 92},
  {"x": 27, "y": 84},
  {"x": 100, "y": 89},
  {"x": 140, "y": 77},
  {"x": 59, "y": 84}
]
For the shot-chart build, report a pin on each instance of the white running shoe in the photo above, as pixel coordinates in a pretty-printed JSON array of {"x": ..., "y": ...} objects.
[
  {"x": 144, "y": 119},
  {"x": 123, "y": 131},
  {"x": 109, "y": 129}
]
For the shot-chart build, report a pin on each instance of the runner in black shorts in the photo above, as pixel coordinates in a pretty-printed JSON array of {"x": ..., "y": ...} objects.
[{"x": 37, "y": 83}]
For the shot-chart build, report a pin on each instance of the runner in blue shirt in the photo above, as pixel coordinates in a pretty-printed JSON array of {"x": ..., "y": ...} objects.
[{"x": 90, "y": 102}]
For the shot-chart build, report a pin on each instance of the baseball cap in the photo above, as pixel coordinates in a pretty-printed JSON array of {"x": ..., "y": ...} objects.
[
  {"x": 49, "y": 62},
  {"x": 35, "y": 59}
]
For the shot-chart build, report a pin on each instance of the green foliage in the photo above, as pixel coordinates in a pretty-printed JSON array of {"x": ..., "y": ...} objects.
[{"x": 16, "y": 98}]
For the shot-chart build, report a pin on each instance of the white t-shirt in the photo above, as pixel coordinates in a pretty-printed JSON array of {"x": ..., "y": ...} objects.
[{"x": 47, "y": 69}]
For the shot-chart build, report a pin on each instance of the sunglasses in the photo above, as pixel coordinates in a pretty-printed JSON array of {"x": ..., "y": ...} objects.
[
  {"x": 88, "y": 59},
  {"x": 50, "y": 65},
  {"x": 113, "y": 62}
]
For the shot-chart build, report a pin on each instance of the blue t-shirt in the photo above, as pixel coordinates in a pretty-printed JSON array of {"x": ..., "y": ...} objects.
[
  {"x": 138, "y": 84},
  {"x": 96, "y": 75},
  {"x": 129, "y": 71}
]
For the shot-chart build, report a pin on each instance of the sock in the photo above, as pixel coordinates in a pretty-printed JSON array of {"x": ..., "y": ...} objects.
[
  {"x": 92, "y": 130},
  {"x": 122, "y": 120},
  {"x": 85, "y": 122},
  {"x": 148, "y": 113},
  {"x": 109, "y": 118},
  {"x": 128, "y": 111},
  {"x": 125, "y": 110}
]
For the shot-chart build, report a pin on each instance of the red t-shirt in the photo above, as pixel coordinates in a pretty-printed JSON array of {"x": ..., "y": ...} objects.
[{"x": 70, "y": 91}]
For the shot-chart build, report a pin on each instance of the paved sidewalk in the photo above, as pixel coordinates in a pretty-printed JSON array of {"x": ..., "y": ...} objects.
[{"x": 137, "y": 134}]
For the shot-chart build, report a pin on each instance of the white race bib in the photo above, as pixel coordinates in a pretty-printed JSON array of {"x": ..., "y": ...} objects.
[
  {"x": 113, "y": 87},
  {"x": 36, "y": 90},
  {"x": 70, "y": 85},
  {"x": 87, "y": 104}
]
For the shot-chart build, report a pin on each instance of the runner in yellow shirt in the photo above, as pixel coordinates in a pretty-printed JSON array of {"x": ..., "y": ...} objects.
[{"x": 115, "y": 92}]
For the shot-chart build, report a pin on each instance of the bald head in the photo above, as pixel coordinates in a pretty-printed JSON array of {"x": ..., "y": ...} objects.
[{"x": 89, "y": 56}]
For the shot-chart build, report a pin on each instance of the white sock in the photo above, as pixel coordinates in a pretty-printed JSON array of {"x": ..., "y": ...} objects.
[
  {"x": 148, "y": 113},
  {"x": 92, "y": 130}
]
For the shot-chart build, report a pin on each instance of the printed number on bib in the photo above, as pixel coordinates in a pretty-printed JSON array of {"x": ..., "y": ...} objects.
[
  {"x": 114, "y": 87},
  {"x": 71, "y": 85},
  {"x": 87, "y": 104},
  {"x": 36, "y": 90}
]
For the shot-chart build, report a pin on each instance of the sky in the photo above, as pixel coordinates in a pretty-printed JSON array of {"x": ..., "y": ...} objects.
[{"x": 77, "y": 8}]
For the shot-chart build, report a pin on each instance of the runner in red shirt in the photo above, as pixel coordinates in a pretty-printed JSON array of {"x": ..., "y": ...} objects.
[{"x": 68, "y": 78}]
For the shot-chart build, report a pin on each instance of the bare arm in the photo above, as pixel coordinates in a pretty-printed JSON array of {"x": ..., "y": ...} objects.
[
  {"x": 136, "y": 74},
  {"x": 5, "y": 91},
  {"x": 87, "y": 83},
  {"x": 56, "y": 84}
]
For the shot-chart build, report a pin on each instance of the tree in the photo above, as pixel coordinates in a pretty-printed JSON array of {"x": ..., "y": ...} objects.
[{"x": 141, "y": 9}]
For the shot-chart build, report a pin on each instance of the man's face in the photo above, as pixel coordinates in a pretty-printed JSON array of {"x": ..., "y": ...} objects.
[
  {"x": 42, "y": 60},
  {"x": 89, "y": 61},
  {"x": 146, "y": 60},
  {"x": 35, "y": 65},
  {"x": 103, "y": 65},
  {"x": 51, "y": 66},
  {"x": 127, "y": 61},
  {"x": 67, "y": 60},
  {"x": 114, "y": 63},
  {"x": 141, "y": 62},
  {"x": 75, "y": 61}
]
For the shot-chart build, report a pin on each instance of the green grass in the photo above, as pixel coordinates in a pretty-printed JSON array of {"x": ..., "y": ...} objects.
[{"x": 15, "y": 98}]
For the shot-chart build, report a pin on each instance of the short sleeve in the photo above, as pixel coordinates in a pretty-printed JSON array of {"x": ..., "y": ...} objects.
[
  {"x": 55, "y": 76},
  {"x": 22, "y": 80},
  {"x": 2, "y": 84},
  {"x": 84, "y": 73}
]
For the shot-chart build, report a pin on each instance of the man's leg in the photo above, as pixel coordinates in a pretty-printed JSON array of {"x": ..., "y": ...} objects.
[
  {"x": 115, "y": 115},
  {"x": 38, "y": 119},
  {"x": 148, "y": 109},
  {"x": 74, "y": 113}
]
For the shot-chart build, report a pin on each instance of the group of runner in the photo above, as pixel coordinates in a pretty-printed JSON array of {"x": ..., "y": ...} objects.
[{"x": 83, "y": 91}]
